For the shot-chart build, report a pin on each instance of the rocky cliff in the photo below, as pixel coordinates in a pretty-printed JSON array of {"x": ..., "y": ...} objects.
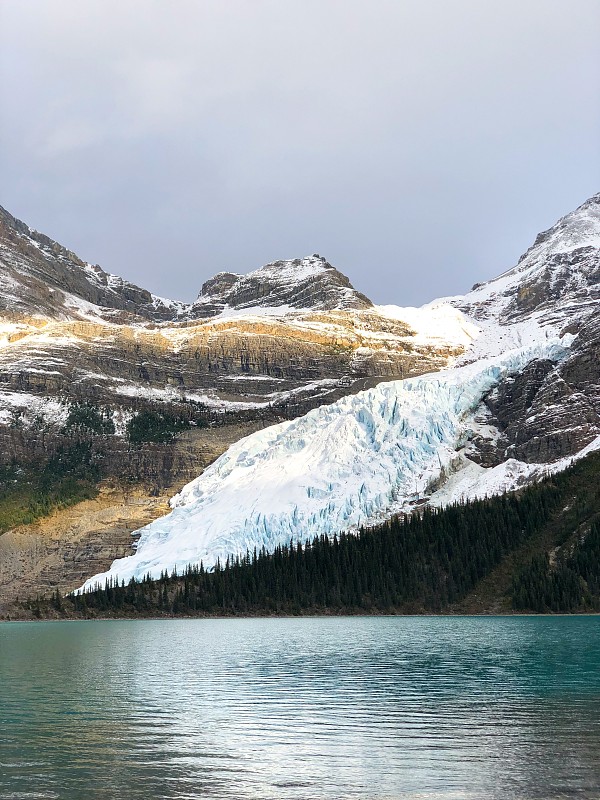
[
  {"x": 40, "y": 278},
  {"x": 309, "y": 282},
  {"x": 549, "y": 411}
]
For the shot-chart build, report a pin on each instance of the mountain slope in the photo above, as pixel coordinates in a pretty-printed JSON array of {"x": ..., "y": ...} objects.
[
  {"x": 41, "y": 278},
  {"x": 338, "y": 467},
  {"x": 549, "y": 411},
  {"x": 559, "y": 273},
  {"x": 433, "y": 439},
  {"x": 533, "y": 550},
  {"x": 85, "y": 356}
]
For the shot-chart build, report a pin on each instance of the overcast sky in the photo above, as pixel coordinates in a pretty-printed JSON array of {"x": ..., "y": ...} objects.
[{"x": 419, "y": 145}]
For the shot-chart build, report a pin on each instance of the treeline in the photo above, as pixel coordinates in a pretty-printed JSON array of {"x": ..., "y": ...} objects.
[
  {"x": 29, "y": 492},
  {"x": 427, "y": 562},
  {"x": 147, "y": 425}
]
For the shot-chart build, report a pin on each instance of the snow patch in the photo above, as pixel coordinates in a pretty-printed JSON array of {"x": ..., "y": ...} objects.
[
  {"x": 22, "y": 408},
  {"x": 473, "y": 482},
  {"x": 435, "y": 323}
]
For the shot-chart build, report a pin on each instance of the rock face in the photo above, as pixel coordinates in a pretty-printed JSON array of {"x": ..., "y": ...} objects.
[
  {"x": 39, "y": 277},
  {"x": 309, "y": 282},
  {"x": 551, "y": 411},
  {"x": 59, "y": 551},
  {"x": 548, "y": 411},
  {"x": 556, "y": 278}
]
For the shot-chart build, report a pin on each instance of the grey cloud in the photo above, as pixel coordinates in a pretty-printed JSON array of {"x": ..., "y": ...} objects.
[{"x": 418, "y": 145}]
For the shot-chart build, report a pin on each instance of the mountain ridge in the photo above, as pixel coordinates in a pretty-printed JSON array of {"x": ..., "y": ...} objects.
[
  {"x": 237, "y": 291},
  {"x": 256, "y": 354},
  {"x": 302, "y": 283},
  {"x": 563, "y": 262},
  {"x": 532, "y": 381},
  {"x": 55, "y": 282}
]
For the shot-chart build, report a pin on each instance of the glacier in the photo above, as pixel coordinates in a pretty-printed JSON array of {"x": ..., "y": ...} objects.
[{"x": 338, "y": 467}]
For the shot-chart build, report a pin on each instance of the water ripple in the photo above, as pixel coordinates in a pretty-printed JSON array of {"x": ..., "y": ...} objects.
[{"x": 372, "y": 708}]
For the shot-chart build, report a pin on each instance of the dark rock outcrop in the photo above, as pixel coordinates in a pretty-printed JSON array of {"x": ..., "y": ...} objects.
[{"x": 549, "y": 411}]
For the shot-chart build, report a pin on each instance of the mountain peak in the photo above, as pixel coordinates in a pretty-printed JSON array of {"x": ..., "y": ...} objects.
[
  {"x": 578, "y": 228},
  {"x": 309, "y": 282},
  {"x": 561, "y": 266}
]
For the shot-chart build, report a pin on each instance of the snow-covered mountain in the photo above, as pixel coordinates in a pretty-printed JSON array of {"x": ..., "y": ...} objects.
[
  {"x": 524, "y": 399},
  {"x": 41, "y": 278},
  {"x": 557, "y": 278},
  {"x": 287, "y": 336},
  {"x": 84, "y": 354},
  {"x": 301, "y": 283}
]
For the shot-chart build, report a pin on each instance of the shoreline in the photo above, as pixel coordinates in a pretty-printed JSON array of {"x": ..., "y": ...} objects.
[{"x": 225, "y": 617}]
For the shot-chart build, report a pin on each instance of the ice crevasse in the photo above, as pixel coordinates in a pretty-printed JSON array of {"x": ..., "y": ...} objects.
[{"x": 336, "y": 468}]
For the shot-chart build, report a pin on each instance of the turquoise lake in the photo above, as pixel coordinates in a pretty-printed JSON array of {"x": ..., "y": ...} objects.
[{"x": 468, "y": 708}]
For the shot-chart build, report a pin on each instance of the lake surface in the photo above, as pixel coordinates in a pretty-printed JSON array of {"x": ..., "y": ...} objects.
[{"x": 379, "y": 708}]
